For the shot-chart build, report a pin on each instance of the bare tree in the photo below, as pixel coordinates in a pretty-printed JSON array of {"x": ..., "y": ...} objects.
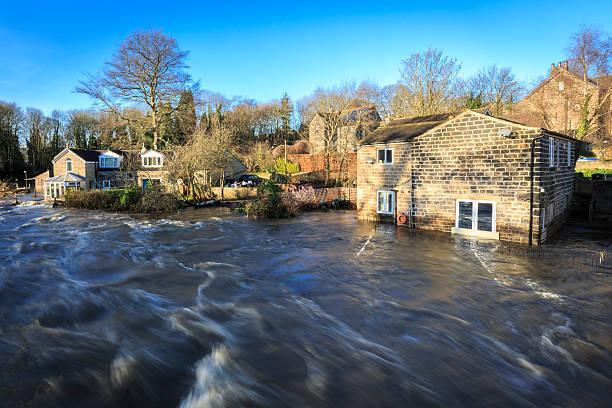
[
  {"x": 428, "y": 83},
  {"x": 330, "y": 104},
  {"x": 149, "y": 69},
  {"x": 497, "y": 88},
  {"x": 590, "y": 51},
  {"x": 203, "y": 159}
]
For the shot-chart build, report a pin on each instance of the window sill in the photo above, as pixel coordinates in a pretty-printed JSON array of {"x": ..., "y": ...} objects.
[{"x": 475, "y": 233}]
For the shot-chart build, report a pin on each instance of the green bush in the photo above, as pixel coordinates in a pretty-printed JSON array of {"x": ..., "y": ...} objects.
[
  {"x": 290, "y": 168},
  {"x": 268, "y": 203},
  {"x": 152, "y": 200},
  {"x": 155, "y": 200}
]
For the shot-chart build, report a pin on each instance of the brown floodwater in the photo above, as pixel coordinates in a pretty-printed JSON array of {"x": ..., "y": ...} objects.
[{"x": 210, "y": 309}]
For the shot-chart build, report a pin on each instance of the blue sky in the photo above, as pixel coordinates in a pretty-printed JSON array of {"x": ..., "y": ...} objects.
[{"x": 261, "y": 50}]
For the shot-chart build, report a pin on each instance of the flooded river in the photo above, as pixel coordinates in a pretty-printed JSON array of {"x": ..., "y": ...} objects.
[{"x": 210, "y": 309}]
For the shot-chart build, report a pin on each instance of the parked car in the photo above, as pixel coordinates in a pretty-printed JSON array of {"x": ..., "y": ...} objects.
[{"x": 246, "y": 180}]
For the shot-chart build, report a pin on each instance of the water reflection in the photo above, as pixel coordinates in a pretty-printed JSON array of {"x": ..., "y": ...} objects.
[{"x": 210, "y": 309}]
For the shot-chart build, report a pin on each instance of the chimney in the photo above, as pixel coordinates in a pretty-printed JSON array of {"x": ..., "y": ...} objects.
[{"x": 564, "y": 65}]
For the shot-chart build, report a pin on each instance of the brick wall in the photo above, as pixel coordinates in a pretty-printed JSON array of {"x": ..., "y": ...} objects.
[
  {"x": 316, "y": 162},
  {"x": 466, "y": 158}
]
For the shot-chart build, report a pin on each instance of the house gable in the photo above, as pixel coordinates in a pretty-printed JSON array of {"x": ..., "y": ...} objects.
[{"x": 152, "y": 159}]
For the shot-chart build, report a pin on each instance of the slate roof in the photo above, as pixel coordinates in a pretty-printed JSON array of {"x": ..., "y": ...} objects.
[
  {"x": 87, "y": 155},
  {"x": 406, "y": 129}
]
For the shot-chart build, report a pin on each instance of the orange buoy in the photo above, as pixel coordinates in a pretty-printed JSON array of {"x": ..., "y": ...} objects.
[{"x": 402, "y": 219}]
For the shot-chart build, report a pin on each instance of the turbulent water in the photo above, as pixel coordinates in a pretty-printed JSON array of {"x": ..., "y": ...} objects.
[{"x": 210, "y": 309}]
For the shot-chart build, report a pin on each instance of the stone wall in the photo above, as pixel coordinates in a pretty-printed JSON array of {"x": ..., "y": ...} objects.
[
  {"x": 466, "y": 158},
  {"x": 39, "y": 182},
  {"x": 557, "y": 100},
  {"x": 79, "y": 166},
  {"x": 555, "y": 184},
  {"x": 316, "y": 134},
  {"x": 374, "y": 177}
]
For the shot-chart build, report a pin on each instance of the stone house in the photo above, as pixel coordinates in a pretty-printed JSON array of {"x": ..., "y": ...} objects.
[
  {"x": 348, "y": 126},
  {"x": 467, "y": 173},
  {"x": 105, "y": 169},
  {"x": 556, "y": 102}
]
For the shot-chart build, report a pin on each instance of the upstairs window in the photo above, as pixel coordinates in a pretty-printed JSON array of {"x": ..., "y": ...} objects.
[
  {"x": 109, "y": 162},
  {"x": 384, "y": 156},
  {"x": 68, "y": 165},
  {"x": 561, "y": 86},
  {"x": 152, "y": 161}
]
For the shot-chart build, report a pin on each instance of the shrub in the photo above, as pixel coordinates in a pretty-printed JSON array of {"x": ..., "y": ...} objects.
[
  {"x": 268, "y": 203},
  {"x": 290, "y": 168},
  {"x": 6, "y": 189},
  {"x": 272, "y": 202},
  {"x": 155, "y": 200},
  {"x": 152, "y": 200}
]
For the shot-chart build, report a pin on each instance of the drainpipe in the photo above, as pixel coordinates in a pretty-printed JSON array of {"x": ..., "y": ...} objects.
[{"x": 531, "y": 194}]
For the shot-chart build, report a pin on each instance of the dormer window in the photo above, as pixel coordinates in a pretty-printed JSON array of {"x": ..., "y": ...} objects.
[
  {"x": 152, "y": 159},
  {"x": 109, "y": 162},
  {"x": 68, "y": 165}
]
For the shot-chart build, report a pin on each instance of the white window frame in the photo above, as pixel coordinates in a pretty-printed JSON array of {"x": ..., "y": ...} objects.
[
  {"x": 388, "y": 193},
  {"x": 553, "y": 152},
  {"x": 385, "y": 150},
  {"x": 103, "y": 162},
  {"x": 69, "y": 160},
  {"x": 147, "y": 161},
  {"x": 475, "y": 214}
]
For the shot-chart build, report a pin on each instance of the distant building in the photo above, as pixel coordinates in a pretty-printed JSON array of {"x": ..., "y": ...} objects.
[
  {"x": 556, "y": 102},
  {"x": 350, "y": 125},
  {"x": 467, "y": 173},
  {"x": 104, "y": 169}
]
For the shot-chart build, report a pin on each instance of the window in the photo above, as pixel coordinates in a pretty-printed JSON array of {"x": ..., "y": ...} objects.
[
  {"x": 109, "y": 162},
  {"x": 561, "y": 86},
  {"x": 475, "y": 215},
  {"x": 106, "y": 184},
  {"x": 569, "y": 154},
  {"x": 152, "y": 161},
  {"x": 553, "y": 152},
  {"x": 384, "y": 156},
  {"x": 385, "y": 202},
  {"x": 68, "y": 165}
]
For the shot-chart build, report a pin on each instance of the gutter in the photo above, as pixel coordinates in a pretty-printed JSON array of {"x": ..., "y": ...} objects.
[{"x": 531, "y": 194}]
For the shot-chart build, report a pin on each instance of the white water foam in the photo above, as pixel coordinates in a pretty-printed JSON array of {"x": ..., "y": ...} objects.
[{"x": 220, "y": 383}]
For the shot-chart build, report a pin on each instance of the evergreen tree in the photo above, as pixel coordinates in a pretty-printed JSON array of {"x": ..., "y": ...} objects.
[
  {"x": 285, "y": 111},
  {"x": 12, "y": 163}
]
